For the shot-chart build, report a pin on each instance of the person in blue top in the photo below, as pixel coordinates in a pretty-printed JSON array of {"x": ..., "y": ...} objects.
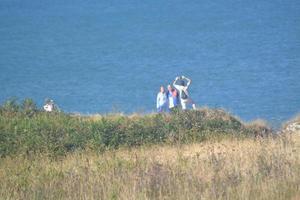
[{"x": 162, "y": 100}]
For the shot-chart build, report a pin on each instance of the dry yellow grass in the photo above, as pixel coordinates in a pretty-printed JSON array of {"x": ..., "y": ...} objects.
[{"x": 228, "y": 169}]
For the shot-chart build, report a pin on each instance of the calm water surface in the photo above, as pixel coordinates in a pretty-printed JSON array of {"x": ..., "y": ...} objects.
[{"x": 101, "y": 56}]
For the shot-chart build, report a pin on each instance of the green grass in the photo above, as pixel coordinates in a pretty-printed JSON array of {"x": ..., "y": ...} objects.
[{"x": 25, "y": 130}]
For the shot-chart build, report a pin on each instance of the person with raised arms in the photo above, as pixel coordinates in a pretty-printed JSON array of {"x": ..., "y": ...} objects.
[{"x": 182, "y": 83}]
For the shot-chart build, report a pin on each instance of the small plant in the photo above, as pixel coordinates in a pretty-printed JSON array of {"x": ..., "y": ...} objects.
[
  {"x": 10, "y": 106},
  {"x": 28, "y": 107}
]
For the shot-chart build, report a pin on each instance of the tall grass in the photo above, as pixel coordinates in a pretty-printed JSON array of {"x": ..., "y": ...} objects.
[
  {"x": 262, "y": 168},
  {"x": 203, "y": 154}
]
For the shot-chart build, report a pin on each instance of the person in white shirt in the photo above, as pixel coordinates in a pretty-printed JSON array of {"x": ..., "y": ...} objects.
[
  {"x": 182, "y": 87},
  {"x": 161, "y": 100}
]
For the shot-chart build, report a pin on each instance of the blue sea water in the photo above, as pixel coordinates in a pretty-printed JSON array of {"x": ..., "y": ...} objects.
[{"x": 95, "y": 56}]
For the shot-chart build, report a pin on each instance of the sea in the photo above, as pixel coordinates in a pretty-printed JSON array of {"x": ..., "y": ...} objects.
[{"x": 103, "y": 56}]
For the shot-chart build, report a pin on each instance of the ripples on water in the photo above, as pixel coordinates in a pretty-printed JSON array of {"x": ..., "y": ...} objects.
[{"x": 96, "y": 56}]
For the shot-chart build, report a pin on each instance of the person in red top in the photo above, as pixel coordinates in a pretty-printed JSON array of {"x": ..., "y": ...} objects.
[{"x": 172, "y": 96}]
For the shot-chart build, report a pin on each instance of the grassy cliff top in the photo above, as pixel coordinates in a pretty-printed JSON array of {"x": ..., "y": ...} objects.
[{"x": 28, "y": 130}]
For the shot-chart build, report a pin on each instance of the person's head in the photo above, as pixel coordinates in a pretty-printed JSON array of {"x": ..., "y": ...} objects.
[
  {"x": 181, "y": 82},
  {"x": 47, "y": 101},
  {"x": 162, "y": 89},
  {"x": 170, "y": 88}
]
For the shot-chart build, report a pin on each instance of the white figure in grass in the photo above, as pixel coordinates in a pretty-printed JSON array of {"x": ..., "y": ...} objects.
[{"x": 48, "y": 107}]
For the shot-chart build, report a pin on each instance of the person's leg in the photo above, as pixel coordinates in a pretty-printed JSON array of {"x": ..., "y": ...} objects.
[
  {"x": 175, "y": 109},
  {"x": 159, "y": 109},
  {"x": 183, "y": 104},
  {"x": 190, "y": 101},
  {"x": 166, "y": 108},
  {"x": 194, "y": 106}
]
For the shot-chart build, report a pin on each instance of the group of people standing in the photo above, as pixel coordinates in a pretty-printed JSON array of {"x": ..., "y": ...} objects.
[{"x": 175, "y": 97}]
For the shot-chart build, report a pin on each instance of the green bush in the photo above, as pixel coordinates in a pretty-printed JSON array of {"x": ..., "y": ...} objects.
[
  {"x": 26, "y": 130},
  {"x": 10, "y": 106},
  {"x": 28, "y": 107}
]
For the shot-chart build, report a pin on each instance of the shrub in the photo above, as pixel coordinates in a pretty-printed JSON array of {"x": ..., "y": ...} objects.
[
  {"x": 28, "y": 107},
  {"x": 10, "y": 106},
  {"x": 26, "y": 130}
]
